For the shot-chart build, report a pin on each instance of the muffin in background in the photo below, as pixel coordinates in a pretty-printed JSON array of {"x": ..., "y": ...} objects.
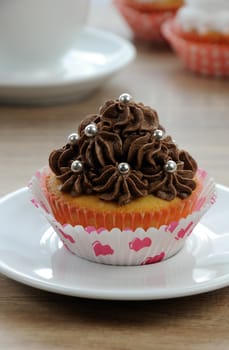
[
  {"x": 145, "y": 17},
  {"x": 120, "y": 191},
  {"x": 199, "y": 34}
]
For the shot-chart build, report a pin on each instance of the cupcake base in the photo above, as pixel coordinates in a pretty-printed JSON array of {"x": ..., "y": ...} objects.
[
  {"x": 90, "y": 210},
  {"x": 124, "y": 247},
  {"x": 208, "y": 59},
  {"x": 145, "y": 25}
]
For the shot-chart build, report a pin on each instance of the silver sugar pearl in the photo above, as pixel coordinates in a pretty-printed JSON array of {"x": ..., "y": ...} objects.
[
  {"x": 125, "y": 98},
  {"x": 73, "y": 138},
  {"x": 170, "y": 166},
  {"x": 77, "y": 166},
  {"x": 123, "y": 168},
  {"x": 90, "y": 130},
  {"x": 158, "y": 134}
]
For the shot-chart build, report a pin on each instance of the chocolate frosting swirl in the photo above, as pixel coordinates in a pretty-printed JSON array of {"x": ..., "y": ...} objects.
[{"x": 124, "y": 132}]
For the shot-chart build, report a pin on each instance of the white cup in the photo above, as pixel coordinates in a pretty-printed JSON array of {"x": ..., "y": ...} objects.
[{"x": 35, "y": 34}]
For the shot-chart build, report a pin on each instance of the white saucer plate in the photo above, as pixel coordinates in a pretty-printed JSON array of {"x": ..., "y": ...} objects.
[
  {"x": 95, "y": 57},
  {"x": 31, "y": 253}
]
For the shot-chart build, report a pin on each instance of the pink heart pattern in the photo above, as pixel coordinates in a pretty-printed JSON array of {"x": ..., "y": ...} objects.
[
  {"x": 91, "y": 229},
  {"x": 101, "y": 249},
  {"x": 171, "y": 227},
  {"x": 184, "y": 231},
  {"x": 66, "y": 236},
  {"x": 138, "y": 244},
  {"x": 153, "y": 259},
  {"x": 35, "y": 202}
]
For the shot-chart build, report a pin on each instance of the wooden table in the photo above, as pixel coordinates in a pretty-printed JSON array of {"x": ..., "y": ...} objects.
[{"x": 195, "y": 111}]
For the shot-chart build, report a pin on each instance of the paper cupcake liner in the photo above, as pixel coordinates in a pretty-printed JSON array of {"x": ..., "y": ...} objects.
[
  {"x": 124, "y": 247},
  {"x": 144, "y": 25},
  {"x": 200, "y": 57}
]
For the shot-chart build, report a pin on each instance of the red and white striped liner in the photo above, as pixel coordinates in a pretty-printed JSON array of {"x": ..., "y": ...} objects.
[
  {"x": 145, "y": 25},
  {"x": 207, "y": 59}
]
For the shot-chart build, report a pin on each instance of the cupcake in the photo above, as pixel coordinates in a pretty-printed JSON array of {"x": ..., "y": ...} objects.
[
  {"x": 200, "y": 35},
  {"x": 145, "y": 17},
  {"x": 121, "y": 191}
]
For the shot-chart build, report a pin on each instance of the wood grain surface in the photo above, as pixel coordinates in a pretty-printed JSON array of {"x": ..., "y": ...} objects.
[{"x": 195, "y": 111}]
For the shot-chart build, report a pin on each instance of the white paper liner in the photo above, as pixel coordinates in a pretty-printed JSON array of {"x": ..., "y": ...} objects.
[{"x": 116, "y": 247}]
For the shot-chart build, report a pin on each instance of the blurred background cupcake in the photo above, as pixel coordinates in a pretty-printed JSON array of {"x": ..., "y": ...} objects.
[
  {"x": 199, "y": 34},
  {"x": 145, "y": 17}
]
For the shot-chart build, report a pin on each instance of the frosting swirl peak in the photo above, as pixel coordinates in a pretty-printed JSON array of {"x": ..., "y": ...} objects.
[{"x": 123, "y": 154}]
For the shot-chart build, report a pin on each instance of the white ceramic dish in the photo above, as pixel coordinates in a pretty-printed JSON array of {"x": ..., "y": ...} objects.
[
  {"x": 94, "y": 58},
  {"x": 31, "y": 253}
]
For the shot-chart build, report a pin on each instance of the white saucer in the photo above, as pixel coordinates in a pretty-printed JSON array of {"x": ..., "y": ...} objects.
[
  {"x": 97, "y": 55},
  {"x": 31, "y": 253}
]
